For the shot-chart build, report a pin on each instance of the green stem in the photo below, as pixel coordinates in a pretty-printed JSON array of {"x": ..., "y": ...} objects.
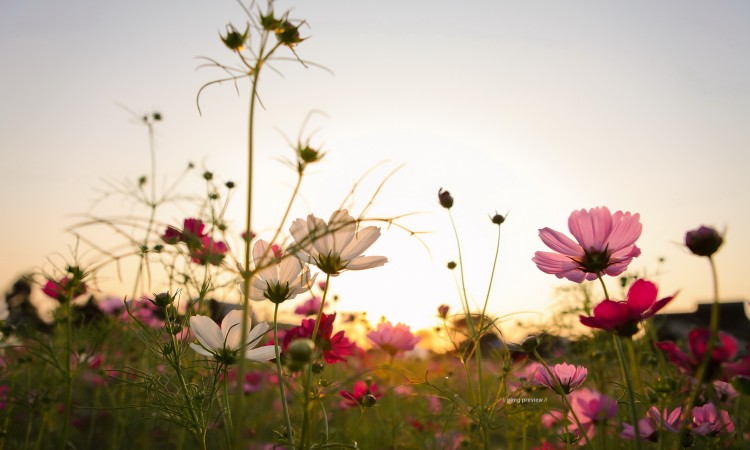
[
  {"x": 634, "y": 366},
  {"x": 701, "y": 373},
  {"x": 629, "y": 389},
  {"x": 247, "y": 273},
  {"x": 68, "y": 371},
  {"x": 280, "y": 376},
  {"x": 308, "y": 379}
]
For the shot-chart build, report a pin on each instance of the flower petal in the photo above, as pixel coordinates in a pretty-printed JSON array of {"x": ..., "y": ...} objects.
[
  {"x": 361, "y": 242},
  {"x": 231, "y": 327},
  {"x": 560, "y": 243},
  {"x": 207, "y": 332},
  {"x": 366, "y": 262},
  {"x": 265, "y": 353}
]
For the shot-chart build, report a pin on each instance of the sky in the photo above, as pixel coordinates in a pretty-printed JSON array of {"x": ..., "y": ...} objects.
[{"x": 530, "y": 109}]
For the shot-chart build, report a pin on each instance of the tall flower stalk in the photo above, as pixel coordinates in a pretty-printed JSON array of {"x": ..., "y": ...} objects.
[{"x": 703, "y": 241}]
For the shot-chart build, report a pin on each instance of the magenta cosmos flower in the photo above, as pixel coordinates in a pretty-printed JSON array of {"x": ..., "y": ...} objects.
[
  {"x": 708, "y": 421},
  {"x": 364, "y": 394},
  {"x": 393, "y": 339},
  {"x": 564, "y": 376},
  {"x": 623, "y": 317},
  {"x": 335, "y": 347},
  {"x": 606, "y": 245},
  {"x": 724, "y": 351}
]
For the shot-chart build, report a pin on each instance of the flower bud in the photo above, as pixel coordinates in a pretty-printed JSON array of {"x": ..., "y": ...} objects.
[
  {"x": 498, "y": 219},
  {"x": 162, "y": 300},
  {"x": 234, "y": 40},
  {"x": 445, "y": 198},
  {"x": 288, "y": 34},
  {"x": 301, "y": 350},
  {"x": 443, "y": 311},
  {"x": 530, "y": 344},
  {"x": 451, "y": 265},
  {"x": 703, "y": 241},
  {"x": 369, "y": 400}
]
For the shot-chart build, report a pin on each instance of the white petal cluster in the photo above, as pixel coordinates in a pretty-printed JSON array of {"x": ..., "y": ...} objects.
[
  {"x": 223, "y": 344},
  {"x": 277, "y": 279},
  {"x": 337, "y": 245}
]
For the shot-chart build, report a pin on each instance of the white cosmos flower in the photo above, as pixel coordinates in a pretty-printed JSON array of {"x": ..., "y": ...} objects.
[
  {"x": 223, "y": 344},
  {"x": 337, "y": 245},
  {"x": 278, "y": 278}
]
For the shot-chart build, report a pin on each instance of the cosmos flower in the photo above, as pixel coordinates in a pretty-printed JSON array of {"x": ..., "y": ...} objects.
[
  {"x": 393, "y": 339},
  {"x": 606, "y": 245},
  {"x": 65, "y": 289},
  {"x": 309, "y": 308},
  {"x": 593, "y": 407},
  {"x": 335, "y": 347},
  {"x": 654, "y": 421},
  {"x": 708, "y": 421},
  {"x": 223, "y": 344},
  {"x": 698, "y": 338},
  {"x": 337, "y": 245},
  {"x": 208, "y": 252},
  {"x": 703, "y": 241},
  {"x": 564, "y": 376},
  {"x": 364, "y": 394},
  {"x": 278, "y": 277},
  {"x": 623, "y": 317}
]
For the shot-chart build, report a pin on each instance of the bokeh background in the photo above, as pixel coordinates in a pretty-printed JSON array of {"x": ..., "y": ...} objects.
[{"x": 531, "y": 109}]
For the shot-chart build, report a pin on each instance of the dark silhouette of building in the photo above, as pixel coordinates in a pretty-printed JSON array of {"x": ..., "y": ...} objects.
[{"x": 732, "y": 320}]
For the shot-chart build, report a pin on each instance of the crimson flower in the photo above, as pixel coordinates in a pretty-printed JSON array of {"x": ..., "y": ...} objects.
[
  {"x": 208, "y": 252},
  {"x": 65, "y": 289},
  {"x": 364, "y": 394},
  {"x": 606, "y": 244},
  {"x": 335, "y": 347},
  {"x": 623, "y": 317},
  {"x": 698, "y": 338}
]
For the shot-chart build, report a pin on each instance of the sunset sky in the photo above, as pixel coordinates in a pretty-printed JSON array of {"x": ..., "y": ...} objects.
[{"x": 533, "y": 109}]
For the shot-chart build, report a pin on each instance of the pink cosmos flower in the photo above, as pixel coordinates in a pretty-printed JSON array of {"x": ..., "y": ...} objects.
[
  {"x": 592, "y": 407},
  {"x": 64, "y": 289},
  {"x": 309, "y": 308},
  {"x": 335, "y": 347},
  {"x": 724, "y": 350},
  {"x": 647, "y": 430},
  {"x": 111, "y": 305},
  {"x": 359, "y": 395},
  {"x": 392, "y": 339},
  {"x": 606, "y": 244},
  {"x": 624, "y": 317},
  {"x": 654, "y": 421},
  {"x": 564, "y": 376},
  {"x": 208, "y": 252},
  {"x": 707, "y": 421}
]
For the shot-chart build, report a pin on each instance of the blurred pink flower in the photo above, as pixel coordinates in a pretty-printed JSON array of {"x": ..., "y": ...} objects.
[
  {"x": 393, "y": 339},
  {"x": 652, "y": 423},
  {"x": 564, "y": 376},
  {"x": 606, "y": 245},
  {"x": 337, "y": 245},
  {"x": 111, "y": 305},
  {"x": 208, "y": 252},
  {"x": 623, "y": 317},
  {"x": 708, "y": 421},
  {"x": 309, "y": 308},
  {"x": 4, "y": 391},
  {"x": 64, "y": 289},
  {"x": 359, "y": 395},
  {"x": 593, "y": 407},
  {"x": 724, "y": 350}
]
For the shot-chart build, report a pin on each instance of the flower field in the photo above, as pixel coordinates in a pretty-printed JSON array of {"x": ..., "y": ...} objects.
[{"x": 226, "y": 339}]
